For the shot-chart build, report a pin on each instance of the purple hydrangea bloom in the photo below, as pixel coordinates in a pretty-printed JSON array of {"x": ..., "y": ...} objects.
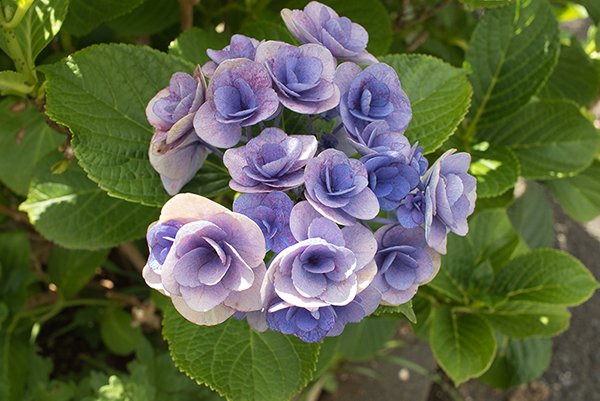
[
  {"x": 329, "y": 266},
  {"x": 176, "y": 153},
  {"x": 404, "y": 262},
  {"x": 391, "y": 177},
  {"x": 308, "y": 325},
  {"x": 160, "y": 237},
  {"x": 320, "y": 24},
  {"x": 450, "y": 194},
  {"x": 337, "y": 187},
  {"x": 376, "y": 138},
  {"x": 215, "y": 266},
  {"x": 374, "y": 94},
  {"x": 273, "y": 161},
  {"x": 303, "y": 76},
  {"x": 271, "y": 212},
  {"x": 365, "y": 303},
  {"x": 240, "y": 46},
  {"x": 239, "y": 95},
  {"x": 411, "y": 212}
]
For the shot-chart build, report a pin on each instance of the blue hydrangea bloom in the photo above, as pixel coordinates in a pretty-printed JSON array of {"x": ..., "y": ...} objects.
[
  {"x": 337, "y": 187},
  {"x": 240, "y": 46},
  {"x": 303, "y": 76},
  {"x": 373, "y": 94},
  {"x": 271, "y": 212},
  {"x": 318, "y": 23},
  {"x": 376, "y": 138},
  {"x": 273, "y": 161},
  {"x": 239, "y": 95},
  {"x": 450, "y": 194},
  {"x": 391, "y": 177},
  {"x": 308, "y": 325},
  {"x": 411, "y": 212},
  {"x": 404, "y": 262}
]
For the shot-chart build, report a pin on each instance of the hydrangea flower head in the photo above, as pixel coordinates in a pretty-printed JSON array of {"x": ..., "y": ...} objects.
[
  {"x": 303, "y": 76},
  {"x": 320, "y": 24},
  {"x": 240, "y": 46},
  {"x": 239, "y": 95},
  {"x": 450, "y": 194},
  {"x": 272, "y": 161}
]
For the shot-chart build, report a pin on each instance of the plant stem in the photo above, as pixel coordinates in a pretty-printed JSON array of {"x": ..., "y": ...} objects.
[{"x": 186, "y": 8}]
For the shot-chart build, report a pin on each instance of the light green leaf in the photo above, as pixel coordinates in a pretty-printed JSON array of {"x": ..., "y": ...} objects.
[
  {"x": 85, "y": 15},
  {"x": 593, "y": 8},
  {"x": 193, "y": 43},
  {"x": 25, "y": 138},
  {"x": 463, "y": 345},
  {"x": 405, "y": 309},
  {"x": 512, "y": 52},
  {"x": 545, "y": 275},
  {"x": 118, "y": 333},
  {"x": 439, "y": 95},
  {"x": 579, "y": 195},
  {"x": 531, "y": 215},
  {"x": 106, "y": 113},
  {"x": 486, "y": 3},
  {"x": 14, "y": 83},
  {"x": 518, "y": 362},
  {"x": 237, "y": 362},
  {"x": 520, "y": 319},
  {"x": 41, "y": 23},
  {"x": 150, "y": 17},
  {"x": 72, "y": 211},
  {"x": 551, "y": 139},
  {"x": 71, "y": 270},
  {"x": 575, "y": 76},
  {"x": 496, "y": 169},
  {"x": 265, "y": 30}
]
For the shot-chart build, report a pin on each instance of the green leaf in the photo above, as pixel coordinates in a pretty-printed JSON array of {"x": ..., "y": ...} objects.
[
  {"x": 265, "y": 30},
  {"x": 362, "y": 341},
  {"x": 545, "y": 275},
  {"x": 237, "y": 362},
  {"x": 193, "y": 43},
  {"x": 531, "y": 215},
  {"x": 86, "y": 15},
  {"x": 3, "y": 313},
  {"x": 41, "y": 23},
  {"x": 439, "y": 95},
  {"x": 486, "y": 3},
  {"x": 575, "y": 76},
  {"x": 551, "y": 139},
  {"x": 72, "y": 211},
  {"x": 17, "y": 274},
  {"x": 593, "y": 8},
  {"x": 71, "y": 270},
  {"x": 520, "y": 319},
  {"x": 118, "y": 333},
  {"x": 496, "y": 169},
  {"x": 14, "y": 83},
  {"x": 25, "y": 138},
  {"x": 512, "y": 52},
  {"x": 518, "y": 362},
  {"x": 463, "y": 345},
  {"x": 105, "y": 111},
  {"x": 150, "y": 17},
  {"x": 405, "y": 309},
  {"x": 579, "y": 195}
]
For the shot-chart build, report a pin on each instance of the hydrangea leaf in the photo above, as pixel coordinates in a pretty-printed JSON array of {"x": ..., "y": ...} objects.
[
  {"x": 551, "y": 139},
  {"x": 593, "y": 8},
  {"x": 464, "y": 345},
  {"x": 511, "y": 54},
  {"x": 238, "y": 362},
  {"x": 486, "y": 3},
  {"x": 106, "y": 113},
  {"x": 496, "y": 169},
  {"x": 152, "y": 16},
  {"x": 192, "y": 44},
  {"x": 579, "y": 195},
  {"x": 71, "y": 270},
  {"x": 518, "y": 362},
  {"x": 118, "y": 333},
  {"x": 25, "y": 138},
  {"x": 17, "y": 274},
  {"x": 521, "y": 319},
  {"x": 405, "y": 309},
  {"x": 531, "y": 215},
  {"x": 575, "y": 76},
  {"x": 265, "y": 30},
  {"x": 545, "y": 276},
  {"x": 74, "y": 212},
  {"x": 85, "y": 15},
  {"x": 439, "y": 95}
]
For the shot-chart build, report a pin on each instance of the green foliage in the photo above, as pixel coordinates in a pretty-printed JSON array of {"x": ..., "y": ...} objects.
[
  {"x": 531, "y": 215},
  {"x": 74, "y": 212},
  {"x": 118, "y": 332},
  {"x": 84, "y": 15},
  {"x": 152, "y": 16},
  {"x": 405, "y": 309},
  {"x": 496, "y": 169},
  {"x": 439, "y": 96},
  {"x": 192, "y": 45},
  {"x": 238, "y": 362},
  {"x": 71, "y": 270}
]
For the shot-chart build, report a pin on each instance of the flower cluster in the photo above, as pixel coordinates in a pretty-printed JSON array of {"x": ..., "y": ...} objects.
[{"x": 350, "y": 223}]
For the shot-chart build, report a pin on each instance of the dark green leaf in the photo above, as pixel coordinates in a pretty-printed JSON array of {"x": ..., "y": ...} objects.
[
  {"x": 71, "y": 270},
  {"x": 85, "y": 15},
  {"x": 118, "y": 333},
  {"x": 531, "y": 215},
  {"x": 150, "y": 17},
  {"x": 193, "y": 43},
  {"x": 264, "y": 30},
  {"x": 496, "y": 169},
  {"x": 362, "y": 341},
  {"x": 405, "y": 309},
  {"x": 520, "y": 319},
  {"x": 17, "y": 274},
  {"x": 486, "y": 3}
]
